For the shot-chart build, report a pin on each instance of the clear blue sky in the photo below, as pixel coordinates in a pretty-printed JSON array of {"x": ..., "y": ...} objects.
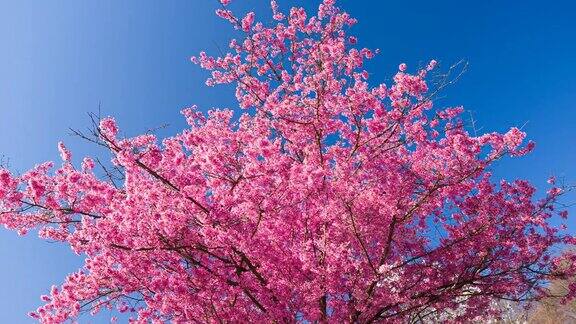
[{"x": 59, "y": 59}]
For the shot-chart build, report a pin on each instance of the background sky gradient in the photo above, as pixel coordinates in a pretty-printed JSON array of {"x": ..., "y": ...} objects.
[{"x": 60, "y": 59}]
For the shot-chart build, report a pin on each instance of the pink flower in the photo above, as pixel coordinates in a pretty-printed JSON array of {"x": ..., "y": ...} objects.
[
  {"x": 5, "y": 178},
  {"x": 87, "y": 164},
  {"x": 64, "y": 152},
  {"x": 326, "y": 187},
  {"x": 276, "y": 14},
  {"x": 513, "y": 138},
  {"x": 555, "y": 191},
  {"x": 54, "y": 291},
  {"x": 108, "y": 127},
  {"x": 247, "y": 21},
  {"x": 38, "y": 189}
]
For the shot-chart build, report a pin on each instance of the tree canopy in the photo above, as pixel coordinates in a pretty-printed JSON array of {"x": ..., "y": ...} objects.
[{"x": 328, "y": 199}]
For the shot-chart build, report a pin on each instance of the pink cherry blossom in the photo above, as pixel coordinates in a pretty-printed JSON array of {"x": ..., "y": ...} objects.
[
  {"x": 247, "y": 21},
  {"x": 108, "y": 127},
  {"x": 64, "y": 152},
  {"x": 330, "y": 199}
]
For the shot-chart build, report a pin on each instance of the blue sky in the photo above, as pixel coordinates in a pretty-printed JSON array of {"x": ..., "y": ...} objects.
[{"x": 61, "y": 59}]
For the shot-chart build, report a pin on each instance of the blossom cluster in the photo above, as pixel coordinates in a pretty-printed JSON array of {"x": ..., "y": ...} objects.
[{"x": 329, "y": 199}]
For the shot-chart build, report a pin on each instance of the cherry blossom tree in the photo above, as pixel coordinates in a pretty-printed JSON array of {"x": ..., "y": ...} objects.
[{"x": 328, "y": 199}]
